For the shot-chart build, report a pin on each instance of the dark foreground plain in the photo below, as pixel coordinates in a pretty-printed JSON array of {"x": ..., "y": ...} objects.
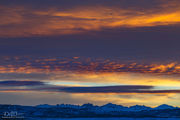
[{"x": 107, "y": 119}]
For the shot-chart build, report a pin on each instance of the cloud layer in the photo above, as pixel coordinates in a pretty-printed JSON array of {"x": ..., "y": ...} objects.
[
  {"x": 44, "y": 86},
  {"x": 22, "y": 20},
  {"x": 20, "y": 83},
  {"x": 99, "y": 51},
  {"x": 83, "y": 65}
]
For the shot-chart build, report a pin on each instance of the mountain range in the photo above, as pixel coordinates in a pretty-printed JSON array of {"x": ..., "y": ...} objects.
[
  {"x": 110, "y": 107},
  {"x": 90, "y": 110}
]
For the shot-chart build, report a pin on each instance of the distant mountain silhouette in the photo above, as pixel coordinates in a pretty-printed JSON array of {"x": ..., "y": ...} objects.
[
  {"x": 109, "y": 106},
  {"x": 164, "y": 106},
  {"x": 90, "y": 110}
]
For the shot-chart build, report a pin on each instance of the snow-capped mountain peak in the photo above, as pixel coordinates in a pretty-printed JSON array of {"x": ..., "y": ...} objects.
[
  {"x": 164, "y": 106},
  {"x": 139, "y": 108},
  {"x": 44, "y": 106}
]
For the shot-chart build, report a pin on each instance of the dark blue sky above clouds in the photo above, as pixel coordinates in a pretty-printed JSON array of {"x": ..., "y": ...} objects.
[
  {"x": 144, "y": 42},
  {"x": 126, "y": 44}
]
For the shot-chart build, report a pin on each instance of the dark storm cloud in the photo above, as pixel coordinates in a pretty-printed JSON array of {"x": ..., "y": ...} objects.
[
  {"x": 54, "y": 88},
  {"x": 99, "y": 89},
  {"x": 12, "y": 83},
  {"x": 106, "y": 89},
  {"x": 116, "y": 89}
]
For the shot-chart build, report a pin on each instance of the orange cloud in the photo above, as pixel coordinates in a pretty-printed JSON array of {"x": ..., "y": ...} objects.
[
  {"x": 96, "y": 71},
  {"x": 25, "y": 21},
  {"x": 78, "y": 65}
]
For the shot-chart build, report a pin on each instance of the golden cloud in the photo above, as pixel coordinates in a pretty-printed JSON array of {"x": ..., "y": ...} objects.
[
  {"x": 21, "y": 21},
  {"x": 96, "y": 71}
]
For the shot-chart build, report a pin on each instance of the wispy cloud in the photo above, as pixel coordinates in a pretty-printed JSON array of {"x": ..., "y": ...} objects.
[
  {"x": 86, "y": 71},
  {"x": 20, "y": 83},
  {"x": 83, "y": 65},
  {"x": 22, "y": 21},
  {"x": 43, "y": 87}
]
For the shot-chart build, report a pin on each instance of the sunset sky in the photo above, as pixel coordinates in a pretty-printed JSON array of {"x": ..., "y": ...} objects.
[{"x": 90, "y": 51}]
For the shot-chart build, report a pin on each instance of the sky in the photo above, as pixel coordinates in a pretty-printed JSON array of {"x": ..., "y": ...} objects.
[{"x": 90, "y": 51}]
